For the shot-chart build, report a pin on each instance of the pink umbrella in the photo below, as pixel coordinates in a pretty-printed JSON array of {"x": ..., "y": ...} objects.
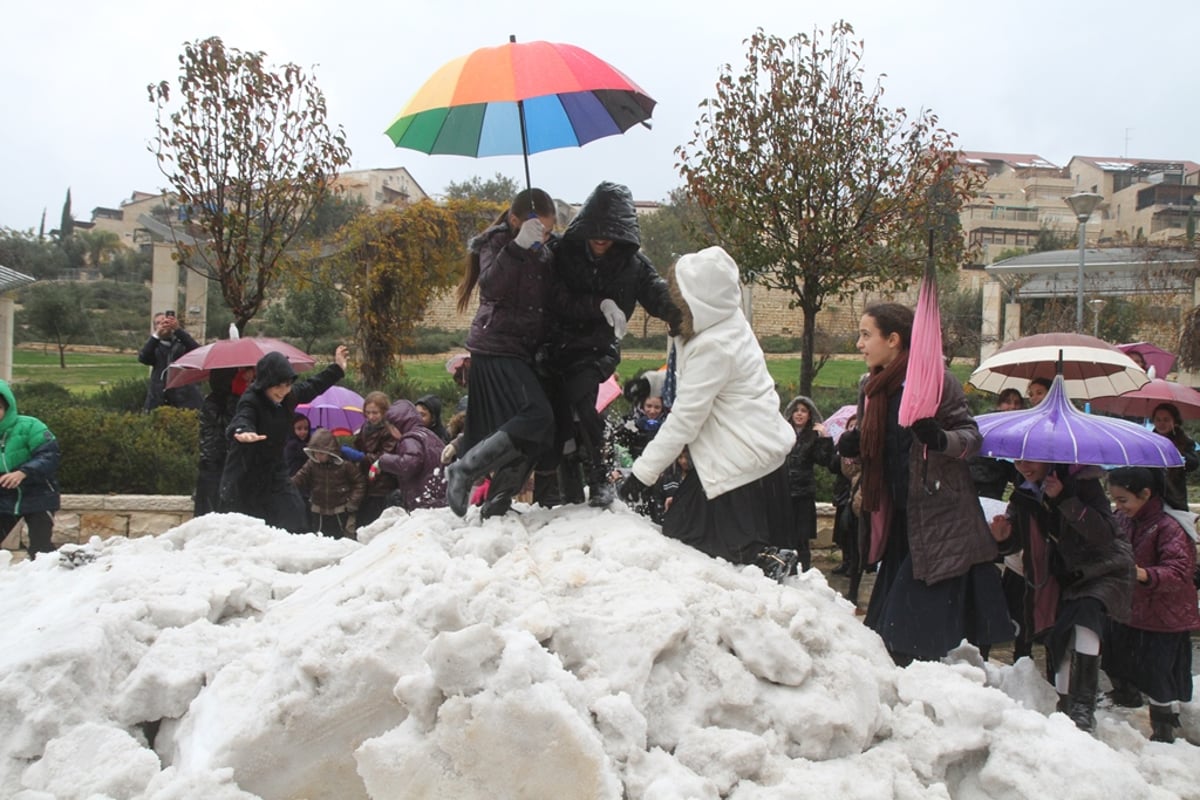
[
  {"x": 926, "y": 366},
  {"x": 1153, "y": 355},
  {"x": 835, "y": 423},
  {"x": 1142, "y": 402},
  {"x": 196, "y": 366},
  {"x": 609, "y": 390}
]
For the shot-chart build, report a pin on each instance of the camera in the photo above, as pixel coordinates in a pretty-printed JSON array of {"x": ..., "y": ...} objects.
[{"x": 169, "y": 313}]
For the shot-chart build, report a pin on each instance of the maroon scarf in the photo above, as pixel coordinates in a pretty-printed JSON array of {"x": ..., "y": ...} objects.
[{"x": 883, "y": 384}]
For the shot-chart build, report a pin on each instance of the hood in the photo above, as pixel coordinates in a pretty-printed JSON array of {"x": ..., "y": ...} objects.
[
  {"x": 434, "y": 404},
  {"x": 403, "y": 415},
  {"x": 608, "y": 213},
  {"x": 813, "y": 413},
  {"x": 322, "y": 441},
  {"x": 272, "y": 370},
  {"x": 10, "y": 415},
  {"x": 221, "y": 380},
  {"x": 708, "y": 284}
]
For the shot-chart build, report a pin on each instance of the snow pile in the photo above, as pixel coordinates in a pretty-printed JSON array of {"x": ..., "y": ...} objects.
[{"x": 556, "y": 653}]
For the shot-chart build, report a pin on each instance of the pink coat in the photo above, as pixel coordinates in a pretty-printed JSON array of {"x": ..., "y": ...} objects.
[{"x": 1167, "y": 604}]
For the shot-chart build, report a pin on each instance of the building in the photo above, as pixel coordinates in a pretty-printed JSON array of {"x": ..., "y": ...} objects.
[
  {"x": 377, "y": 188},
  {"x": 1145, "y": 201}
]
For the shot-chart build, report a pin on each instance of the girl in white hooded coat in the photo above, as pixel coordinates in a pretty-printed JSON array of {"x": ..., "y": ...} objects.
[{"x": 726, "y": 411}]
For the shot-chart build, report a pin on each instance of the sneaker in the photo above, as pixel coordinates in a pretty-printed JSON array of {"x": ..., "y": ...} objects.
[{"x": 777, "y": 564}]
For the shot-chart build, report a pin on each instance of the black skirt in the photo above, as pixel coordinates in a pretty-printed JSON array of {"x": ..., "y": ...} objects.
[
  {"x": 737, "y": 525},
  {"x": 1085, "y": 612},
  {"x": 506, "y": 395},
  {"x": 927, "y": 620},
  {"x": 1159, "y": 664}
]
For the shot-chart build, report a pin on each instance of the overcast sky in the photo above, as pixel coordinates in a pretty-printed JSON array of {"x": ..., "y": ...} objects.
[{"x": 1061, "y": 78}]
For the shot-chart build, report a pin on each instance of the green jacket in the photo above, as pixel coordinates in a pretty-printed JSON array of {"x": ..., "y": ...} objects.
[{"x": 28, "y": 445}]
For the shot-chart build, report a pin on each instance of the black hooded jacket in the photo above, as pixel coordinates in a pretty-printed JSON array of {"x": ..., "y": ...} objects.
[
  {"x": 257, "y": 468},
  {"x": 622, "y": 274},
  {"x": 434, "y": 404}
]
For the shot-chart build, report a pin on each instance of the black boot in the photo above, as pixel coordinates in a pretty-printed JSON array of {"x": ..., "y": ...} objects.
[
  {"x": 1085, "y": 676},
  {"x": 490, "y": 455},
  {"x": 1163, "y": 722},
  {"x": 545, "y": 488},
  {"x": 506, "y": 484},
  {"x": 1124, "y": 694},
  {"x": 600, "y": 490},
  {"x": 777, "y": 564},
  {"x": 570, "y": 480}
]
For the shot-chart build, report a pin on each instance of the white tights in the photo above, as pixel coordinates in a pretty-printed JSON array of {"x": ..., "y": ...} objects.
[{"x": 1085, "y": 641}]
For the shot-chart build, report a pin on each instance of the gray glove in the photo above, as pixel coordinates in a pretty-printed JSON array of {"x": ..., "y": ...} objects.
[
  {"x": 614, "y": 316},
  {"x": 532, "y": 232}
]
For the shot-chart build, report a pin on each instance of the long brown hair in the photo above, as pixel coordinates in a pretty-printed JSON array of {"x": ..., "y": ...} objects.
[{"x": 529, "y": 203}]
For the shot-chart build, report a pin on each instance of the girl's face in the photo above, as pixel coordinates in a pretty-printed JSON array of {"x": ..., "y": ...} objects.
[
  {"x": 1032, "y": 471},
  {"x": 373, "y": 412},
  {"x": 878, "y": 350},
  {"x": 800, "y": 416},
  {"x": 426, "y": 417},
  {"x": 299, "y": 427},
  {"x": 1164, "y": 422},
  {"x": 1126, "y": 500},
  {"x": 1037, "y": 393},
  {"x": 1009, "y": 403},
  {"x": 652, "y": 407}
]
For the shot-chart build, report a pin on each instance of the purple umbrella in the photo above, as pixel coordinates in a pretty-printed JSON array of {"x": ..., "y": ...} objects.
[
  {"x": 1055, "y": 431},
  {"x": 337, "y": 408}
]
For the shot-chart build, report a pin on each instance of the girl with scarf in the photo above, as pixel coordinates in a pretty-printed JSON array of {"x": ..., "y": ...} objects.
[{"x": 921, "y": 519}]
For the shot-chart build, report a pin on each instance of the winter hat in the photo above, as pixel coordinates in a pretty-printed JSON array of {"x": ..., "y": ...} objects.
[
  {"x": 272, "y": 370},
  {"x": 708, "y": 281}
]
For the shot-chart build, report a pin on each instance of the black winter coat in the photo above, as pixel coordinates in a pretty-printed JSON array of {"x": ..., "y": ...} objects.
[
  {"x": 622, "y": 274},
  {"x": 253, "y": 469},
  {"x": 810, "y": 449},
  {"x": 159, "y": 354}
]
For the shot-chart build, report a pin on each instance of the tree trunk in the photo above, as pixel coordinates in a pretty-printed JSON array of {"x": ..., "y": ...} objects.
[{"x": 807, "y": 345}]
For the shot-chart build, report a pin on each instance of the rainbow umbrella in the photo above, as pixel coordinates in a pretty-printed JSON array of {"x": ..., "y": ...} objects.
[{"x": 519, "y": 98}]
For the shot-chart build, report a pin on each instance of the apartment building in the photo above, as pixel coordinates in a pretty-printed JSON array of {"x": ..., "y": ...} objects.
[{"x": 1145, "y": 201}]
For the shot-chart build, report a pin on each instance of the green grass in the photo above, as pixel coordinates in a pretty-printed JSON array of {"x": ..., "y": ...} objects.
[{"x": 85, "y": 373}]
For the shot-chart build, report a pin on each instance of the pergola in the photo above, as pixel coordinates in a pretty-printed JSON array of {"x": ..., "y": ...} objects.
[{"x": 10, "y": 280}]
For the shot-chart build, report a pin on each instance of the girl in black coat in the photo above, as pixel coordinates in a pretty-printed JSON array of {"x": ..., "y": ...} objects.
[
  {"x": 256, "y": 481},
  {"x": 215, "y": 415},
  {"x": 813, "y": 446}
]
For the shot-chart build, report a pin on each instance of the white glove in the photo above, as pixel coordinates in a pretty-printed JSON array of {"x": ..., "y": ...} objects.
[
  {"x": 448, "y": 453},
  {"x": 532, "y": 232},
  {"x": 614, "y": 316}
]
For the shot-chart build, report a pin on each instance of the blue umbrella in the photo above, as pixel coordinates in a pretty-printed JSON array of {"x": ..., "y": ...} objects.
[{"x": 1055, "y": 431}]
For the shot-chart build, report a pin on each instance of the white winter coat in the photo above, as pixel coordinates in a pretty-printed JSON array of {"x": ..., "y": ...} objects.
[{"x": 726, "y": 409}]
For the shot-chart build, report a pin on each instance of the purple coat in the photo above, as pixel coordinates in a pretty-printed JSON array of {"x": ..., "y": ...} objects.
[
  {"x": 415, "y": 459},
  {"x": 518, "y": 289},
  {"x": 1167, "y": 604}
]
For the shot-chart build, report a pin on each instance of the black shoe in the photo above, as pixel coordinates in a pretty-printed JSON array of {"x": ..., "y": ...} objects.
[
  {"x": 545, "y": 488},
  {"x": 841, "y": 569},
  {"x": 1124, "y": 694},
  {"x": 600, "y": 491},
  {"x": 777, "y": 564},
  {"x": 492, "y": 454},
  {"x": 570, "y": 480},
  {"x": 1163, "y": 722}
]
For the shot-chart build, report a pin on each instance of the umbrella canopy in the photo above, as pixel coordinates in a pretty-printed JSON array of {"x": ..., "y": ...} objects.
[
  {"x": 1142, "y": 402},
  {"x": 609, "y": 390},
  {"x": 195, "y": 366},
  {"x": 1153, "y": 355},
  {"x": 924, "y": 376},
  {"x": 1091, "y": 366},
  {"x": 519, "y": 98},
  {"x": 337, "y": 409},
  {"x": 1055, "y": 431},
  {"x": 835, "y": 423}
]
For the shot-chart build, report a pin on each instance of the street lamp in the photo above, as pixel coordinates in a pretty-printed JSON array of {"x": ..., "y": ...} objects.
[
  {"x": 1097, "y": 304},
  {"x": 1083, "y": 204}
]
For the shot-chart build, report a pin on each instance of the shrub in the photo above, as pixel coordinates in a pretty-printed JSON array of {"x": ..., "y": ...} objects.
[
  {"x": 128, "y": 395},
  {"x": 435, "y": 340}
]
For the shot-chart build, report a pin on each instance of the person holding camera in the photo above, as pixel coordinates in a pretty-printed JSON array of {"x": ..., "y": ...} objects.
[{"x": 167, "y": 343}]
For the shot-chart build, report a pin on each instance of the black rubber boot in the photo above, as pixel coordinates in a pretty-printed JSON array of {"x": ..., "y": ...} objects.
[
  {"x": 600, "y": 490},
  {"x": 1064, "y": 704},
  {"x": 570, "y": 479},
  {"x": 1085, "y": 677},
  {"x": 506, "y": 484},
  {"x": 490, "y": 455},
  {"x": 545, "y": 488},
  {"x": 1163, "y": 722},
  {"x": 777, "y": 564}
]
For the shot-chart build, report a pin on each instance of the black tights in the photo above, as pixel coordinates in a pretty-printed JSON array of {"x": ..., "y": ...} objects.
[{"x": 40, "y": 525}]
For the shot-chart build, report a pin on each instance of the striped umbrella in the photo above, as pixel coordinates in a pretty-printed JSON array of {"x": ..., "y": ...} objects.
[{"x": 519, "y": 98}]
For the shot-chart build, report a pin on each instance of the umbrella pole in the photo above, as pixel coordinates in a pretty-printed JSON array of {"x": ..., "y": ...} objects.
[{"x": 512, "y": 38}]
